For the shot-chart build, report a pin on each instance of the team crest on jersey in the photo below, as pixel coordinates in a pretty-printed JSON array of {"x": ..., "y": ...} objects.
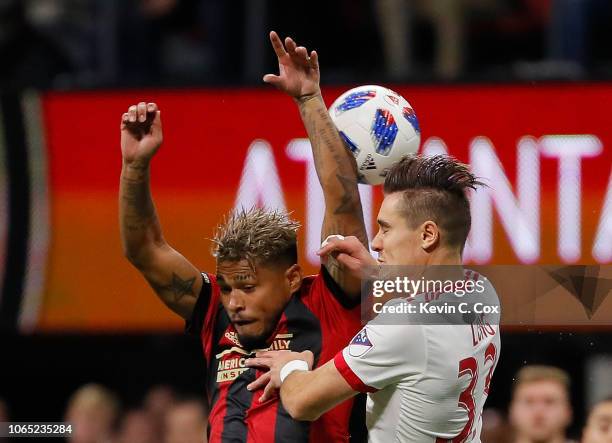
[{"x": 360, "y": 344}]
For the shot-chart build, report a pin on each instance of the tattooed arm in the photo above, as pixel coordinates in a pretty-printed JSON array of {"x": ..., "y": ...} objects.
[
  {"x": 175, "y": 280},
  {"x": 336, "y": 167}
]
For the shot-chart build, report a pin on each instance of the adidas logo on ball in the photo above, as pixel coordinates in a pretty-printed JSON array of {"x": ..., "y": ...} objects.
[{"x": 368, "y": 163}]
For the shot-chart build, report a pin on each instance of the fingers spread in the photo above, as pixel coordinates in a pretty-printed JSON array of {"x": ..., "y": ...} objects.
[
  {"x": 259, "y": 362},
  {"x": 300, "y": 57},
  {"x": 277, "y": 44},
  {"x": 269, "y": 392},
  {"x": 314, "y": 60},
  {"x": 270, "y": 354},
  {"x": 290, "y": 45},
  {"x": 262, "y": 381},
  {"x": 272, "y": 79}
]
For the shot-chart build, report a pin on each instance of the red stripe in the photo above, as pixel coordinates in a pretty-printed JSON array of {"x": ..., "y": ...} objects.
[
  {"x": 216, "y": 416},
  {"x": 350, "y": 377},
  {"x": 261, "y": 421}
]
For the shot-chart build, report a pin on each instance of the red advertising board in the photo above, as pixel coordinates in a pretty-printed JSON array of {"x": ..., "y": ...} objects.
[{"x": 545, "y": 151}]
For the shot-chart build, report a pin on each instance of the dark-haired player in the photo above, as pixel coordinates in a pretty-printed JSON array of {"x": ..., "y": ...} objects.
[
  {"x": 257, "y": 298},
  {"x": 425, "y": 382}
]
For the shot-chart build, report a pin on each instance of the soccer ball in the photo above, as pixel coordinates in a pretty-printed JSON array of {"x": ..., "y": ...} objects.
[{"x": 378, "y": 126}]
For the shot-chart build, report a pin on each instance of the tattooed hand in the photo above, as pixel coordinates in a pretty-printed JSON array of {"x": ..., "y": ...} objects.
[{"x": 141, "y": 133}]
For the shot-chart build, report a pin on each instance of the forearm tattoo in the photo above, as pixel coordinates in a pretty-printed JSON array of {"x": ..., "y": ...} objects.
[{"x": 139, "y": 210}]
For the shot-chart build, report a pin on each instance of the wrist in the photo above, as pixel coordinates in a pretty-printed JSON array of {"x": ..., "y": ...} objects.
[
  {"x": 292, "y": 366},
  {"x": 303, "y": 99},
  {"x": 135, "y": 168}
]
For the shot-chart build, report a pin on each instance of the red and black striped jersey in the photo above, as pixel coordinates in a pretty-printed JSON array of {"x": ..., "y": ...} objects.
[{"x": 319, "y": 317}]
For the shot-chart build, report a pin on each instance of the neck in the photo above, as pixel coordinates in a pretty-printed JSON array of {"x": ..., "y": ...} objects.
[
  {"x": 444, "y": 257},
  {"x": 443, "y": 264}
]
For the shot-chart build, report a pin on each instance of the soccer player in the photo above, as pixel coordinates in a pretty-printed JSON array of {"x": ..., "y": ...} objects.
[
  {"x": 540, "y": 410},
  {"x": 425, "y": 382},
  {"x": 598, "y": 428},
  {"x": 258, "y": 298}
]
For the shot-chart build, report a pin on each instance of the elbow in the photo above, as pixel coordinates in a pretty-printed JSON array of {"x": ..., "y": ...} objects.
[{"x": 301, "y": 409}]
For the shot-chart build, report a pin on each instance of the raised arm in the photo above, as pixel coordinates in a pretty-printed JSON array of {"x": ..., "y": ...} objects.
[
  {"x": 335, "y": 165},
  {"x": 173, "y": 278}
]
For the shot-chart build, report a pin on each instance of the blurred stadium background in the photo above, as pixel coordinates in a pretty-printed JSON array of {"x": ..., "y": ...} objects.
[{"x": 520, "y": 89}]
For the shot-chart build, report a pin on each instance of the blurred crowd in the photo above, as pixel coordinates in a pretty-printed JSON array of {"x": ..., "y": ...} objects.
[
  {"x": 96, "y": 416},
  {"x": 540, "y": 411},
  {"x": 96, "y": 43}
]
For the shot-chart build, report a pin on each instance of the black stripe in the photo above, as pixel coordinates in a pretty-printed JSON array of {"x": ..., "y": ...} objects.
[
  {"x": 18, "y": 177},
  {"x": 237, "y": 403},
  {"x": 306, "y": 330},
  {"x": 357, "y": 424},
  {"x": 194, "y": 324},
  {"x": 221, "y": 322},
  {"x": 220, "y": 326}
]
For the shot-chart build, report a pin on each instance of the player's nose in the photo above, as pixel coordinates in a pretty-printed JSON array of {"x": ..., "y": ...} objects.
[
  {"x": 236, "y": 301},
  {"x": 377, "y": 243}
]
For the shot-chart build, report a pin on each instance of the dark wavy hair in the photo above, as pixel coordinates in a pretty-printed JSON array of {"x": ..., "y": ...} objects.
[{"x": 434, "y": 188}]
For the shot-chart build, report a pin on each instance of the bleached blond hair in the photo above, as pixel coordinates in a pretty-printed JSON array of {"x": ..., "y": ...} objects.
[{"x": 258, "y": 235}]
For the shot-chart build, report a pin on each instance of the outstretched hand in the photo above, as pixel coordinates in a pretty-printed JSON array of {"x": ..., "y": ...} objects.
[{"x": 298, "y": 71}]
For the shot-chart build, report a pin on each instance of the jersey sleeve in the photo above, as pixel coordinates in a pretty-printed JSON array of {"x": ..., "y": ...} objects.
[
  {"x": 195, "y": 324},
  {"x": 381, "y": 355},
  {"x": 338, "y": 314},
  {"x": 330, "y": 290}
]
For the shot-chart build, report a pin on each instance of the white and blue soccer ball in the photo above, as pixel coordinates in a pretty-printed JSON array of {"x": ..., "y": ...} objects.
[{"x": 378, "y": 126}]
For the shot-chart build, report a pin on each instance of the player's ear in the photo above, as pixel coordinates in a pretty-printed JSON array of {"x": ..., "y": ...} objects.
[
  {"x": 293, "y": 275},
  {"x": 430, "y": 235}
]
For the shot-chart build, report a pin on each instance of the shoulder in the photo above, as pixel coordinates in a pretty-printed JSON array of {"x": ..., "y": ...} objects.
[{"x": 323, "y": 288}]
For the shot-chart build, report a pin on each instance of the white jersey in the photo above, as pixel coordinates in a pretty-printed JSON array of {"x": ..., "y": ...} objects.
[{"x": 425, "y": 382}]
